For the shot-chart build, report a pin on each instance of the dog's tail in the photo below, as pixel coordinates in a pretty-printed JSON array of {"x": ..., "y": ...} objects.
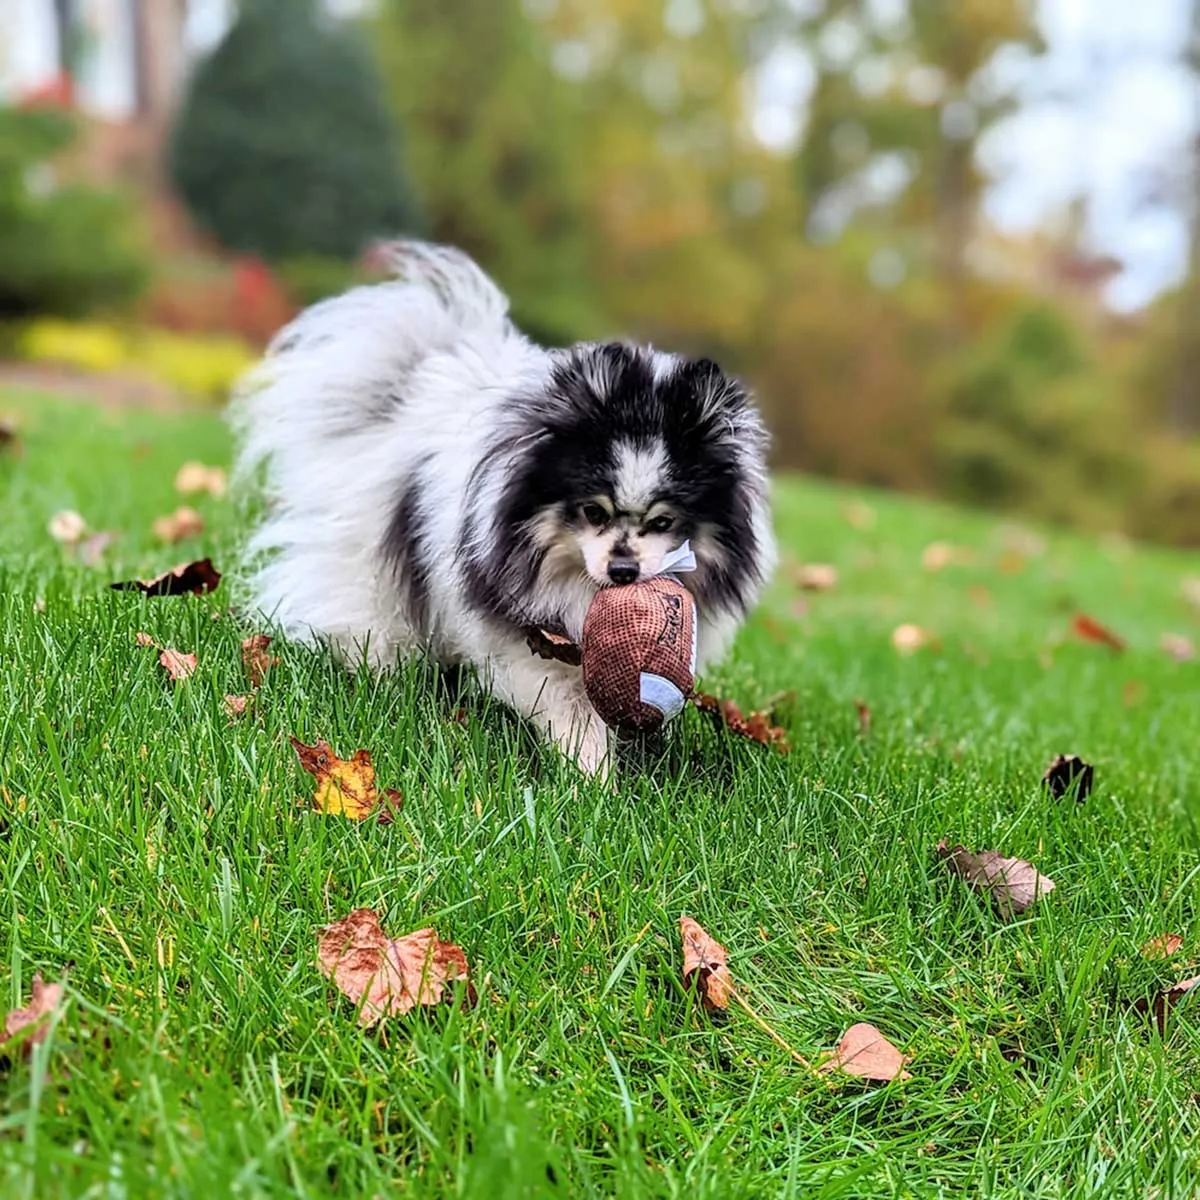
[{"x": 340, "y": 367}]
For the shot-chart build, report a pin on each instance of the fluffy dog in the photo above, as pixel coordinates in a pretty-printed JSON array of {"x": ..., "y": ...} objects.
[{"x": 437, "y": 483}]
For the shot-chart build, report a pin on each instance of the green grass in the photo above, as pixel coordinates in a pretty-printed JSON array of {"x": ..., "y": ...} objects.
[{"x": 161, "y": 853}]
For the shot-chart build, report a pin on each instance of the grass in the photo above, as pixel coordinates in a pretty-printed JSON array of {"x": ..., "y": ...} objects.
[{"x": 160, "y": 852}]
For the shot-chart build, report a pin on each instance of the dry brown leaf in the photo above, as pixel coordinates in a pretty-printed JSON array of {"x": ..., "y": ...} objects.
[
  {"x": 1012, "y": 883},
  {"x": 194, "y": 578},
  {"x": 183, "y": 523},
  {"x": 235, "y": 706},
  {"x": 704, "y": 960},
  {"x": 1090, "y": 630},
  {"x": 553, "y": 646},
  {"x": 1190, "y": 590},
  {"x": 1067, "y": 773},
  {"x": 193, "y": 478},
  {"x": 346, "y": 786},
  {"x": 177, "y": 664},
  {"x": 817, "y": 577},
  {"x": 256, "y": 659},
  {"x": 1182, "y": 649},
  {"x": 144, "y": 639},
  {"x": 93, "y": 547},
  {"x": 864, "y": 717},
  {"x": 758, "y": 726},
  {"x": 67, "y": 527},
  {"x": 388, "y": 976},
  {"x": 10, "y": 440},
  {"x": 865, "y": 1052},
  {"x": 1163, "y": 946},
  {"x": 45, "y": 999},
  {"x": 908, "y": 639},
  {"x": 1160, "y": 1006},
  {"x": 859, "y": 515}
]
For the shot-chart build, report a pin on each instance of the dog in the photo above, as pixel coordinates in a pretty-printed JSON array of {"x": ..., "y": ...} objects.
[{"x": 437, "y": 483}]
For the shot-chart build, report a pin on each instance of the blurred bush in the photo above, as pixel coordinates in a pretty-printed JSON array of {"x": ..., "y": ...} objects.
[
  {"x": 205, "y": 368},
  {"x": 65, "y": 248},
  {"x": 309, "y": 278},
  {"x": 283, "y": 146}
]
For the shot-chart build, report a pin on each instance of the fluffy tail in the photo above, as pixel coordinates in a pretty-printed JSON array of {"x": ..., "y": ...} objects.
[{"x": 340, "y": 367}]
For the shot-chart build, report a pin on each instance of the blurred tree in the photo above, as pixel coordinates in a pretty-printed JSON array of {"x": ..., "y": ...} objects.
[
  {"x": 492, "y": 145},
  {"x": 284, "y": 146},
  {"x": 64, "y": 249}
]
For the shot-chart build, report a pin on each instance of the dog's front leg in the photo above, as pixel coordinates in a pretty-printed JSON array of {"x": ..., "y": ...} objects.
[{"x": 551, "y": 695}]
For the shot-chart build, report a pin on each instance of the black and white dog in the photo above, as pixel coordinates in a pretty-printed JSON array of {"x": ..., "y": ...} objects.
[{"x": 437, "y": 483}]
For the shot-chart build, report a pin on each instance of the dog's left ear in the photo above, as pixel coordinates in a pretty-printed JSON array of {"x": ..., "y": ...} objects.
[{"x": 724, "y": 403}]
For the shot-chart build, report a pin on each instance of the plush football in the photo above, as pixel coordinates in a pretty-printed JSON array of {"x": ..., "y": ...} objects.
[{"x": 639, "y": 652}]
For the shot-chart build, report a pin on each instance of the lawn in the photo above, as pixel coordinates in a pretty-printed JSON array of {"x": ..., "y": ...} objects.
[{"x": 166, "y": 858}]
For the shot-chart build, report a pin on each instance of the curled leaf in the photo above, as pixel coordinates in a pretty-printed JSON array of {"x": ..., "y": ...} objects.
[
  {"x": 345, "y": 787},
  {"x": 194, "y": 477},
  {"x": 388, "y": 976},
  {"x": 183, "y": 523},
  {"x": 1012, "y": 884},
  {"x": 1160, "y": 1006},
  {"x": 758, "y": 726},
  {"x": 45, "y": 999},
  {"x": 194, "y": 578},
  {"x": 1090, "y": 630},
  {"x": 1067, "y": 773},
  {"x": 704, "y": 962},
  {"x": 553, "y": 646},
  {"x": 256, "y": 658},
  {"x": 1162, "y": 946},
  {"x": 817, "y": 577},
  {"x": 865, "y": 1052}
]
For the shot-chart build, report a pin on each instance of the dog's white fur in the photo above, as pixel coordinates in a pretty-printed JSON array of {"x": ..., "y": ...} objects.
[{"x": 356, "y": 394}]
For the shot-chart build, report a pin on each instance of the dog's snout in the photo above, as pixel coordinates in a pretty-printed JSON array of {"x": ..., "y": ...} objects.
[{"x": 623, "y": 570}]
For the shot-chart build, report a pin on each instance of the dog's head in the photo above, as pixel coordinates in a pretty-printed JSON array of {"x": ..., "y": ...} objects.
[{"x": 634, "y": 453}]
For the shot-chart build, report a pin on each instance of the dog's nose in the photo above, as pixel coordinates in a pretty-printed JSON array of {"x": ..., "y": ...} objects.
[{"x": 623, "y": 570}]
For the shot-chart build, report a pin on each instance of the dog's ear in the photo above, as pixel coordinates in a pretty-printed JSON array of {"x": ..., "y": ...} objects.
[{"x": 724, "y": 402}]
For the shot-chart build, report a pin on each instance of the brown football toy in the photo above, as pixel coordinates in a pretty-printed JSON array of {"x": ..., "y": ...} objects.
[{"x": 639, "y": 652}]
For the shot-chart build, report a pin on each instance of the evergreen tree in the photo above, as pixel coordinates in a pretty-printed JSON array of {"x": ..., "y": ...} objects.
[{"x": 284, "y": 146}]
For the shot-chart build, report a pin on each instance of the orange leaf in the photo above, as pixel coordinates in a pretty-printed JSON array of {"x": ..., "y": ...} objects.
[
  {"x": 1090, "y": 630},
  {"x": 704, "y": 959},
  {"x": 178, "y": 665},
  {"x": 865, "y": 1052},
  {"x": 345, "y": 786},
  {"x": 1163, "y": 946},
  {"x": 256, "y": 659},
  {"x": 758, "y": 726},
  {"x": 235, "y": 706},
  {"x": 388, "y": 976},
  {"x": 195, "y": 477},
  {"x": 817, "y": 577},
  {"x": 183, "y": 523}
]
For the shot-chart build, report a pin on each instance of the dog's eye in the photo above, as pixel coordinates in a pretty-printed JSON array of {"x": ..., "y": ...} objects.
[
  {"x": 659, "y": 524},
  {"x": 593, "y": 514}
]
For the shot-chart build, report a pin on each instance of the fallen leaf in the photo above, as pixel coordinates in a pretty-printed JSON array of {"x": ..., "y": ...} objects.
[
  {"x": 1162, "y": 946},
  {"x": 93, "y": 547},
  {"x": 980, "y": 596},
  {"x": 864, "y": 717},
  {"x": 817, "y": 577},
  {"x": 345, "y": 786},
  {"x": 1012, "y": 883},
  {"x": 1068, "y": 772},
  {"x": 9, "y": 438},
  {"x": 183, "y": 523},
  {"x": 1090, "y": 630},
  {"x": 1181, "y": 649},
  {"x": 45, "y": 999},
  {"x": 67, "y": 527},
  {"x": 256, "y": 659},
  {"x": 386, "y": 976},
  {"x": 460, "y": 716},
  {"x": 177, "y": 664},
  {"x": 194, "y": 578},
  {"x": 757, "y": 726},
  {"x": 865, "y": 1052},
  {"x": 1190, "y": 590},
  {"x": 193, "y": 478},
  {"x": 1160, "y": 1006},
  {"x": 553, "y": 646},
  {"x": 1011, "y": 562},
  {"x": 908, "y": 639},
  {"x": 937, "y": 556},
  {"x": 704, "y": 960},
  {"x": 235, "y": 706},
  {"x": 859, "y": 515},
  {"x": 144, "y": 639}
]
